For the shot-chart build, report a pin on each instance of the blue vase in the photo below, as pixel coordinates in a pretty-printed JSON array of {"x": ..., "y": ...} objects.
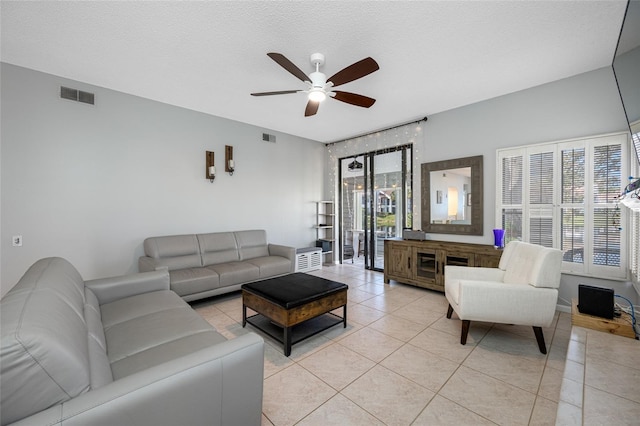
[{"x": 498, "y": 238}]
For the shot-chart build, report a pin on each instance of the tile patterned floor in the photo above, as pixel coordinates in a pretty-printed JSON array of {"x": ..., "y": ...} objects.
[
  {"x": 601, "y": 382},
  {"x": 399, "y": 362}
]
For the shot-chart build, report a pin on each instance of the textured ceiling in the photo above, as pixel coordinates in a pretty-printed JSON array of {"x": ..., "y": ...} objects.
[{"x": 208, "y": 56}]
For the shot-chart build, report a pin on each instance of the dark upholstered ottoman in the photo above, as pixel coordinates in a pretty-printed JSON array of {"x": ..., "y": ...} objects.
[{"x": 285, "y": 303}]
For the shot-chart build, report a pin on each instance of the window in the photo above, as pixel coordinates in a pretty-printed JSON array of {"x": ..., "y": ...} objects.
[
  {"x": 634, "y": 227},
  {"x": 563, "y": 195}
]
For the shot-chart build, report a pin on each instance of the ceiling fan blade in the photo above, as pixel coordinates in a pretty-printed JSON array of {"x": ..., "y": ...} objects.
[
  {"x": 354, "y": 72},
  {"x": 354, "y": 99},
  {"x": 281, "y": 92},
  {"x": 311, "y": 109},
  {"x": 288, "y": 65}
]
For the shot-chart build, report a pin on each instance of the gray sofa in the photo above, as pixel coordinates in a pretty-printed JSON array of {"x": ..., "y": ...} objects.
[
  {"x": 119, "y": 351},
  {"x": 205, "y": 265}
]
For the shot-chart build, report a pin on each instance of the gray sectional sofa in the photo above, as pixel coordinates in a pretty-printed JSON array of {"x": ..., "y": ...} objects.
[
  {"x": 119, "y": 351},
  {"x": 205, "y": 265}
]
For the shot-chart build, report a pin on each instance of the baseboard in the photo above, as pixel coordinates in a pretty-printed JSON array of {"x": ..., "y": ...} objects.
[{"x": 563, "y": 308}]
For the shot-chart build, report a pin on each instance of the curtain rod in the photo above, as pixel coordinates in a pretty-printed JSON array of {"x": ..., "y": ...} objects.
[{"x": 378, "y": 131}]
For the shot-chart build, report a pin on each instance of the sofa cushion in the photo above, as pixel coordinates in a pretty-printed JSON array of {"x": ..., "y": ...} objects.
[
  {"x": 236, "y": 272},
  {"x": 148, "y": 329},
  {"x": 218, "y": 247},
  {"x": 193, "y": 280},
  {"x": 174, "y": 251},
  {"x": 165, "y": 352},
  {"x": 45, "y": 355},
  {"x": 271, "y": 266},
  {"x": 252, "y": 244},
  {"x": 128, "y": 308}
]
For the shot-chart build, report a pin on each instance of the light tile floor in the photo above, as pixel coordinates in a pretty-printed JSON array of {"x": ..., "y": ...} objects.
[
  {"x": 400, "y": 362},
  {"x": 601, "y": 382}
]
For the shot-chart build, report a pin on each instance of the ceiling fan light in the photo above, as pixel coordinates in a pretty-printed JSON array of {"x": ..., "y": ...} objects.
[{"x": 317, "y": 95}]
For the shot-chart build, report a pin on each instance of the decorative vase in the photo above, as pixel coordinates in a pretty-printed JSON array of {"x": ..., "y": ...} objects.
[{"x": 498, "y": 238}]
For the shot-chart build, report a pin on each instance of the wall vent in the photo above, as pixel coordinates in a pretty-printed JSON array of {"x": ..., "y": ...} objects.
[
  {"x": 77, "y": 95},
  {"x": 268, "y": 138}
]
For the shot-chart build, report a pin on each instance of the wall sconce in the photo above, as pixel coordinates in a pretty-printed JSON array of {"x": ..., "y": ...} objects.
[
  {"x": 229, "y": 166},
  {"x": 211, "y": 168}
]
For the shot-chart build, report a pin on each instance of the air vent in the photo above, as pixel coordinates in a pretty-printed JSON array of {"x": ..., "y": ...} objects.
[
  {"x": 86, "y": 97},
  {"x": 68, "y": 93},
  {"x": 77, "y": 95},
  {"x": 268, "y": 138}
]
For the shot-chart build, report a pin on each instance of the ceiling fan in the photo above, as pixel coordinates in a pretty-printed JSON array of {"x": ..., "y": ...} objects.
[{"x": 319, "y": 87}]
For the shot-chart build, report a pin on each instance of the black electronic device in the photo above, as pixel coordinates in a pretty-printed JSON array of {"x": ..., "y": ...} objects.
[{"x": 596, "y": 301}]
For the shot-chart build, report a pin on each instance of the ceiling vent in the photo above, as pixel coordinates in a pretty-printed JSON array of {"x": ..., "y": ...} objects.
[
  {"x": 77, "y": 95},
  {"x": 268, "y": 138}
]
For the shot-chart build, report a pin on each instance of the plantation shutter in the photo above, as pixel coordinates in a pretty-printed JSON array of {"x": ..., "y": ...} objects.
[
  {"x": 572, "y": 223},
  {"x": 607, "y": 181},
  {"x": 564, "y": 195},
  {"x": 512, "y": 196},
  {"x": 541, "y": 168}
]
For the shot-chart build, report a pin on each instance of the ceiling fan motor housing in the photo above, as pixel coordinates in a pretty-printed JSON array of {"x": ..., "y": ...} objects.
[{"x": 318, "y": 79}]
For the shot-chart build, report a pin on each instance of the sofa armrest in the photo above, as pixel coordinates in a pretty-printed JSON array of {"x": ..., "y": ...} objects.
[
  {"x": 114, "y": 288},
  {"x": 147, "y": 264},
  {"x": 284, "y": 251},
  {"x": 218, "y": 385}
]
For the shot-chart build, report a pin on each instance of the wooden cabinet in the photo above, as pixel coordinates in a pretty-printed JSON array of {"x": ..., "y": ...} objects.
[
  {"x": 423, "y": 263},
  {"x": 399, "y": 259}
]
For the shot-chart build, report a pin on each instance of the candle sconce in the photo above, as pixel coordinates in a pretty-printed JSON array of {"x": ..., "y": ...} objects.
[
  {"x": 211, "y": 167},
  {"x": 229, "y": 165}
]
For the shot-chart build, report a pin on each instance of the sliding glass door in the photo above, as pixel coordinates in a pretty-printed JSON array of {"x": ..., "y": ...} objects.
[{"x": 375, "y": 203}]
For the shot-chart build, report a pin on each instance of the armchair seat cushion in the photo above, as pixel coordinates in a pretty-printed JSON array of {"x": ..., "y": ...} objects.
[{"x": 499, "y": 302}]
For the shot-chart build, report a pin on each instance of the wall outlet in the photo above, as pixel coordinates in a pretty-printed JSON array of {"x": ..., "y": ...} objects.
[{"x": 16, "y": 241}]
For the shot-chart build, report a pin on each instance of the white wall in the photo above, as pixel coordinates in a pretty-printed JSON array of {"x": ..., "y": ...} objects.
[{"x": 89, "y": 183}]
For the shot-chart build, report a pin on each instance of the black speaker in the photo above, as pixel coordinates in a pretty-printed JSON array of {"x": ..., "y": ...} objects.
[{"x": 596, "y": 301}]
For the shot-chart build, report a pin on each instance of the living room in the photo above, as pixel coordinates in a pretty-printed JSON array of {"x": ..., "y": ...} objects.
[{"x": 90, "y": 182}]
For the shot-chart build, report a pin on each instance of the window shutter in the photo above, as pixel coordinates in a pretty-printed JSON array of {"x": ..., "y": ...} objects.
[
  {"x": 573, "y": 167},
  {"x": 607, "y": 181},
  {"x": 573, "y": 189},
  {"x": 563, "y": 195},
  {"x": 572, "y": 234},
  {"x": 635, "y": 246},
  {"x": 541, "y": 198},
  {"x": 512, "y": 180},
  {"x": 512, "y": 196}
]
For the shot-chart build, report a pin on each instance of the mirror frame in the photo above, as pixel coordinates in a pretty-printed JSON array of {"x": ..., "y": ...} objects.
[{"x": 477, "y": 205}]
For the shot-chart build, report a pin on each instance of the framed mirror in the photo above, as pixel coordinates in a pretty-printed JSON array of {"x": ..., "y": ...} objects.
[{"x": 452, "y": 196}]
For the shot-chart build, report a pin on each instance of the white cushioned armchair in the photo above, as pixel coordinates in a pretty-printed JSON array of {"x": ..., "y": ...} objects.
[{"x": 523, "y": 290}]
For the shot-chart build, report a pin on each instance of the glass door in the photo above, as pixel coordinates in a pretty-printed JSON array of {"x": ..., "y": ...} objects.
[{"x": 376, "y": 203}]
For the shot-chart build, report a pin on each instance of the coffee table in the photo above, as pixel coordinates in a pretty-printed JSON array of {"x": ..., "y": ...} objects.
[{"x": 294, "y": 307}]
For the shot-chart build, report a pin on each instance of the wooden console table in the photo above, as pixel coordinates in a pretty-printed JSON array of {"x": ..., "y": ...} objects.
[{"x": 422, "y": 263}]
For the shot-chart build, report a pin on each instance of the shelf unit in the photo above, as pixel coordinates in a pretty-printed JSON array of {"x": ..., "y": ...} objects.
[{"x": 325, "y": 221}]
